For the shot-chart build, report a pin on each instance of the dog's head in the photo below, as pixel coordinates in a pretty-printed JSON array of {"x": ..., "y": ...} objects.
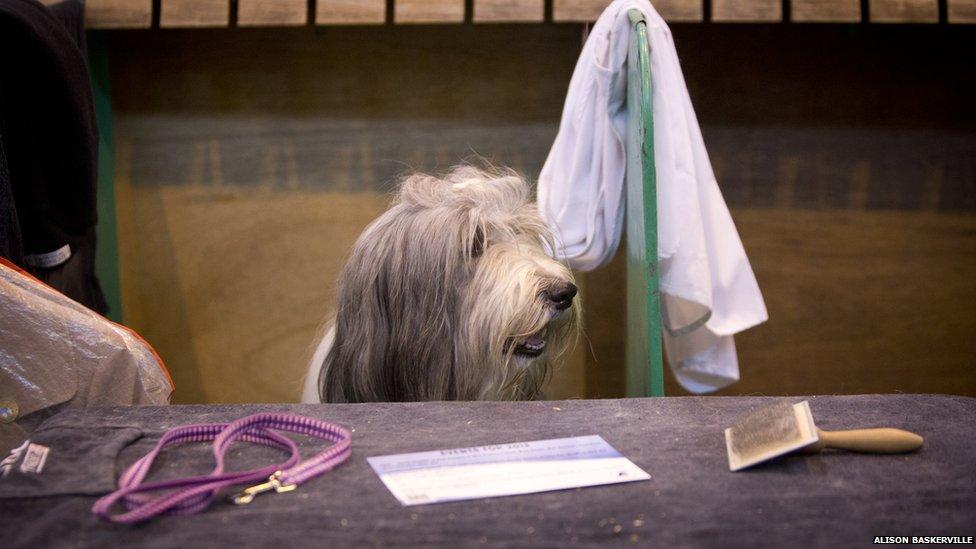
[{"x": 451, "y": 294}]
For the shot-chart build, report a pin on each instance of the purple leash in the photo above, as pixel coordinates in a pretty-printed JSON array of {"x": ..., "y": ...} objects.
[{"x": 192, "y": 494}]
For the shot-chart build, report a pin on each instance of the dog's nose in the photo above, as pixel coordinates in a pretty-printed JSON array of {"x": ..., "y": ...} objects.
[{"x": 562, "y": 295}]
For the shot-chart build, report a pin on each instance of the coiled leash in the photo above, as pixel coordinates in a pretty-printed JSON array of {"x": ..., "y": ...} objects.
[{"x": 192, "y": 494}]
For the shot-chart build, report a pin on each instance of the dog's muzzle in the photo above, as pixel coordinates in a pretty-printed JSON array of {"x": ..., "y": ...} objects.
[{"x": 560, "y": 297}]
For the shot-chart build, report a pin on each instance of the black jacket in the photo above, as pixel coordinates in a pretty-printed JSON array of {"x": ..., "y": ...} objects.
[{"x": 48, "y": 141}]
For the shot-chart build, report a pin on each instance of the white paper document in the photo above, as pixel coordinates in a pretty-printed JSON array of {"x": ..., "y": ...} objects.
[{"x": 503, "y": 469}]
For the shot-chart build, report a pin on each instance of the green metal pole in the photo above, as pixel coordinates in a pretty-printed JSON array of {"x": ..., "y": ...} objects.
[{"x": 645, "y": 361}]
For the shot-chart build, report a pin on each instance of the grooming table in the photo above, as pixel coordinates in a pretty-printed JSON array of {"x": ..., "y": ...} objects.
[{"x": 835, "y": 499}]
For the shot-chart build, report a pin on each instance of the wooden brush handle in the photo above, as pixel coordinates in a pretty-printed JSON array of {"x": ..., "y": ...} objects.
[{"x": 875, "y": 441}]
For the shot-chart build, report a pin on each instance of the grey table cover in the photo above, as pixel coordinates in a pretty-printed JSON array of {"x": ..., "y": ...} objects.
[{"x": 834, "y": 499}]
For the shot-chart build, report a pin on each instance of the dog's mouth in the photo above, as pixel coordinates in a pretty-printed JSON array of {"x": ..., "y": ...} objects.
[{"x": 532, "y": 346}]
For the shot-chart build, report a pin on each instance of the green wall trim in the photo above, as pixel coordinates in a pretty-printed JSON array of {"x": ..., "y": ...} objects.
[{"x": 106, "y": 232}]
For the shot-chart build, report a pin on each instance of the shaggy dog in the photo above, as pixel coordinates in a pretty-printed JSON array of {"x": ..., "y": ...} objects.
[{"x": 449, "y": 295}]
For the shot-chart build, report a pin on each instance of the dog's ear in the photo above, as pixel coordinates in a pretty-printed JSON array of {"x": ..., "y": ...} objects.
[
  {"x": 398, "y": 306},
  {"x": 347, "y": 374}
]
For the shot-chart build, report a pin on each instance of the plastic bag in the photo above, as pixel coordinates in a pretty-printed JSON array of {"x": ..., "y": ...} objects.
[{"x": 55, "y": 353}]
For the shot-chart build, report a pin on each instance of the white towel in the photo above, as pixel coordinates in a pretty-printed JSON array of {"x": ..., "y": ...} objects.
[{"x": 708, "y": 289}]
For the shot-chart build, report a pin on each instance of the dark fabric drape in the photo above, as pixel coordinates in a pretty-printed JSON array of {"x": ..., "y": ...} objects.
[{"x": 49, "y": 144}]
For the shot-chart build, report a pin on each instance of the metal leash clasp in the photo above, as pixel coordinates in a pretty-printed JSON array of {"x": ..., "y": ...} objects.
[{"x": 274, "y": 483}]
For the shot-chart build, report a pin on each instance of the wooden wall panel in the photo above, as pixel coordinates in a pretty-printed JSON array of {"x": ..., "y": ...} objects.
[
  {"x": 350, "y": 12},
  {"x": 825, "y": 11},
  {"x": 428, "y": 11},
  {"x": 577, "y": 10},
  {"x": 680, "y": 10},
  {"x": 507, "y": 11},
  {"x": 747, "y": 11},
  {"x": 904, "y": 11},
  {"x": 590, "y": 10},
  {"x": 962, "y": 11},
  {"x": 194, "y": 13},
  {"x": 118, "y": 14},
  {"x": 121, "y": 14},
  {"x": 885, "y": 310},
  {"x": 272, "y": 13}
]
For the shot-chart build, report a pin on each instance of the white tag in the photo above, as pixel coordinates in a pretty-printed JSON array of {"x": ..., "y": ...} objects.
[
  {"x": 34, "y": 459},
  {"x": 503, "y": 469},
  {"x": 50, "y": 259}
]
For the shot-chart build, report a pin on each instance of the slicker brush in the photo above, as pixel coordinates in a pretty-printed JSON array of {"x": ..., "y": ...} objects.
[{"x": 783, "y": 427}]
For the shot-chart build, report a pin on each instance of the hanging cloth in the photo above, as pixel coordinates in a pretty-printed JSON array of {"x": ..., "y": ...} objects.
[{"x": 709, "y": 291}]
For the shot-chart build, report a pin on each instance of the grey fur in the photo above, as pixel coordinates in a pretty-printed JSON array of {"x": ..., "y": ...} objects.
[{"x": 440, "y": 289}]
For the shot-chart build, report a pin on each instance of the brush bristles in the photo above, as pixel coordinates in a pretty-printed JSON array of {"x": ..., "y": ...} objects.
[{"x": 765, "y": 430}]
